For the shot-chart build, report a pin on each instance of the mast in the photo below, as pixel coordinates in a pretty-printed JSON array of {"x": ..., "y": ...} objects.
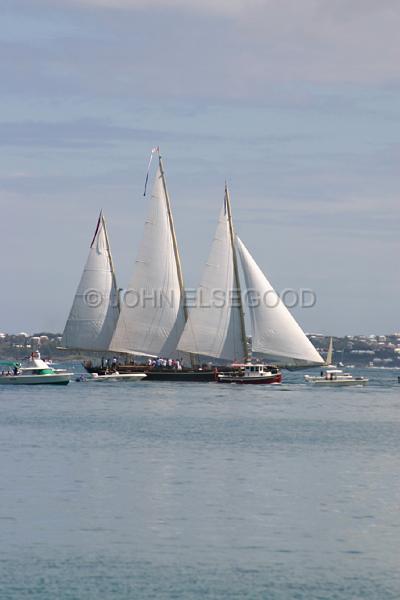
[
  {"x": 175, "y": 246},
  {"x": 236, "y": 275}
]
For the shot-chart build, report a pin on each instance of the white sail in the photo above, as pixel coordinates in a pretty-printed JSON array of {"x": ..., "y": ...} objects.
[
  {"x": 275, "y": 333},
  {"x": 152, "y": 318},
  {"x": 329, "y": 356},
  {"x": 95, "y": 308},
  {"x": 213, "y": 327}
]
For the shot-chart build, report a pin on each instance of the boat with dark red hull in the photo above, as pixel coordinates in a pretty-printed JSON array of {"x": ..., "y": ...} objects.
[{"x": 252, "y": 374}]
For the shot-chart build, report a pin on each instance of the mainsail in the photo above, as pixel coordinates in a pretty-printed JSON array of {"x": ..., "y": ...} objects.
[
  {"x": 215, "y": 325},
  {"x": 152, "y": 313},
  {"x": 95, "y": 308},
  {"x": 275, "y": 333}
]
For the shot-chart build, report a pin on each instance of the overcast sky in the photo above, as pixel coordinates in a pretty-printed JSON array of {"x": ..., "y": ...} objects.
[{"x": 295, "y": 103}]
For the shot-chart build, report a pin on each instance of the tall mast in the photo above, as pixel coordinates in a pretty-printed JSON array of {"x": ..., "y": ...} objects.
[
  {"x": 236, "y": 275},
  {"x": 175, "y": 246}
]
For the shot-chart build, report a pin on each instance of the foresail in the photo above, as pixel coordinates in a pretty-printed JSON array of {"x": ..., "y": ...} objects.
[
  {"x": 94, "y": 313},
  {"x": 213, "y": 327},
  {"x": 152, "y": 318},
  {"x": 275, "y": 333}
]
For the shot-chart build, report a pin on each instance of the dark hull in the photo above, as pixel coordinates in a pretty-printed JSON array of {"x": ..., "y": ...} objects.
[
  {"x": 154, "y": 374},
  {"x": 200, "y": 376},
  {"x": 49, "y": 383}
]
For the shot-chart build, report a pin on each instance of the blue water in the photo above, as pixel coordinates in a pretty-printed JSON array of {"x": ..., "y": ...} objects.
[{"x": 156, "y": 490}]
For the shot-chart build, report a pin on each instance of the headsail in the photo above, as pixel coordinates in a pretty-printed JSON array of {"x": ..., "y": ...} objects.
[
  {"x": 152, "y": 315},
  {"x": 275, "y": 333},
  {"x": 214, "y": 325},
  {"x": 95, "y": 308}
]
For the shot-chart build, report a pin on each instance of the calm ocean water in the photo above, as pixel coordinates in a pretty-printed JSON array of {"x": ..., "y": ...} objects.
[{"x": 122, "y": 491}]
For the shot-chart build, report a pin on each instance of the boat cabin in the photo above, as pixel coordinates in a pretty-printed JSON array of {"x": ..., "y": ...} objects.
[
  {"x": 259, "y": 370},
  {"x": 334, "y": 374},
  {"x": 37, "y": 370}
]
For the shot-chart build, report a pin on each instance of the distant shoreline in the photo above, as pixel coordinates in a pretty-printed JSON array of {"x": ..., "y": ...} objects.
[{"x": 361, "y": 351}]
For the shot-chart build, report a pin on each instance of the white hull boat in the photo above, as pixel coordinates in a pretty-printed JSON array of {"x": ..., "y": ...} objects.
[
  {"x": 335, "y": 377},
  {"x": 58, "y": 378},
  {"x": 37, "y": 373},
  {"x": 330, "y": 375},
  {"x": 132, "y": 377}
]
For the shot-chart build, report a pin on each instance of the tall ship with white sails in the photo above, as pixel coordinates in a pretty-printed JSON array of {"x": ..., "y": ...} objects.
[{"x": 151, "y": 319}]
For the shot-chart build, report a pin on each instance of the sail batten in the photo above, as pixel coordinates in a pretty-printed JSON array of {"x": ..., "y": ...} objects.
[
  {"x": 95, "y": 308},
  {"x": 275, "y": 332}
]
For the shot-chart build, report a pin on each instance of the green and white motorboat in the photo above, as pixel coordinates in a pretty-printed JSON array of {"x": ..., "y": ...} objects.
[{"x": 36, "y": 372}]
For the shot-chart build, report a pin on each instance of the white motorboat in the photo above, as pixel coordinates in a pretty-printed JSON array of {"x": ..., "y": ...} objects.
[
  {"x": 118, "y": 377},
  {"x": 335, "y": 377},
  {"x": 36, "y": 372},
  {"x": 331, "y": 375}
]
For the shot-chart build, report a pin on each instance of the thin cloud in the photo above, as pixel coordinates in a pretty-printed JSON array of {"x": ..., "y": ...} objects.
[
  {"x": 233, "y": 48},
  {"x": 88, "y": 133},
  {"x": 222, "y": 7}
]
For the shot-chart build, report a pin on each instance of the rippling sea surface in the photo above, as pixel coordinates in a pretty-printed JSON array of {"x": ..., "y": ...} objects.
[{"x": 157, "y": 490}]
